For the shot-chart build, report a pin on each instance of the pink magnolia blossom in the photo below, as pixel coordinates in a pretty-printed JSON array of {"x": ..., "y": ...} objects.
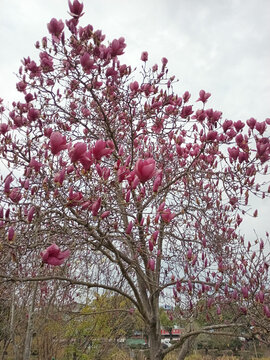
[
  {"x": 86, "y": 205},
  {"x": 60, "y": 176},
  {"x": 240, "y": 140},
  {"x": 117, "y": 47},
  {"x": 157, "y": 181},
  {"x": 189, "y": 254},
  {"x": 129, "y": 228},
  {"x": 234, "y": 153},
  {"x": 87, "y": 63},
  {"x": 55, "y": 27},
  {"x": 96, "y": 206},
  {"x": 76, "y": 8},
  {"x": 186, "y": 96},
  {"x": 72, "y": 24},
  {"x": 243, "y": 309},
  {"x": 238, "y": 125},
  {"x": 212, "y": 135},
  {"x": 127, "y": 198},
  {"x": 167, "y": 216},
  {"x": 4, "y": 128},
  {"x": 111, "y": 72},
  {"x": 244, "y": 292},
  {"x": 227, "y": 125},
  {"x": 35, "y": 164},
  {"x": 46, "y": 62},
  {"x": 86, "y": 160},
  {"x": 122, "y": 172},
  {"x": 21, "y": 86},
  {"x": 77, "y": 152},
  {"x": 164, "y": 61},
  {"x": 99, "y": 170},
  {"x": 261, "y": 148},
  {"x": 213, "y": 116},
  {"x": 235, "y": 294},
  {"x": 100, "y": 149},
  {"x": 26, "y": 184},
  {"x": 15, "y": 195},
  {"x": 231, "y": 133},
  {"x": 134, "y": 86},
  {"x": 260, "y": 127},
  {"x": 31, "y": 213},
  {"x": 186, "y": 111},
  {"x": 58, "y": 142},
  {"x": 161, "y": 207},
  {"x": 29, "y": 97},
  {"x": 7, "y": 213},
  {"x": 8, "y": 181},
  {"x": 74, "y": 198},
  {"x": 203, "y": 96},
  {"x": 239, "y": 219},
  {"x": 261, "y": 296},
  {"x": 105, "y": 214},
  {"x": 233, "y": 200},
  {"x": 132, "y": 178},
  {"x": 145, "y": 169},
  {"x": 11, "y": 233},
  {"x": 53, "y": 256},
  {"x": 158, "y": 126},
  {"x": 70, "y": 169},
  {"x": 144, "y": 56},
  {"x": 106, "y": 172},
  {"x": 251, "y": 123},
  {"x": 48, "y": 131},
  {"x": 151, "y": 264},
  {"x": 243, "y": 156},
  {"x": 221, "y": 267},
  {"x": 155, "y": 236}
]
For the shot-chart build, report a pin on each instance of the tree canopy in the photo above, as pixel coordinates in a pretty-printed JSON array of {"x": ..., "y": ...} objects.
[{"x": 116, "y": 182}]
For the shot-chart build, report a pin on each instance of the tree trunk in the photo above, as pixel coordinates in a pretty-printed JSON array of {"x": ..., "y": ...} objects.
[
  {"x": 12, "y": 326},
  {"x": 5, "y": 347},
  {"x": 186, "y": 347},
  {"x": 155, "y": 343},
  {"x": 29, "y": 331}
]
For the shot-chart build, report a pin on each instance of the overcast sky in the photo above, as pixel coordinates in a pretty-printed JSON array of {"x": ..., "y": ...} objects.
[{"x": 222, "y": 46}]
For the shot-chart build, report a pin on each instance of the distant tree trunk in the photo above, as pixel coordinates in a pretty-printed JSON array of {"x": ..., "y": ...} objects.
[
  {"x": 29, "y": 330},
  {"x": 12, "y": 327},
  {"x": 4, "y": 352}
]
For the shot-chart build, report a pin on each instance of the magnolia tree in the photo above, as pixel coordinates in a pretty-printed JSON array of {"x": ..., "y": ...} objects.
[{"x": 121, "y": 184}]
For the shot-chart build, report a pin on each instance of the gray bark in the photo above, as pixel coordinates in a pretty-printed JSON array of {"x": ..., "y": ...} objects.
[
  {"x": 11, "y": 328},
  {"x": 186, "y": 348},
  {"x": 29, "y": 331}
]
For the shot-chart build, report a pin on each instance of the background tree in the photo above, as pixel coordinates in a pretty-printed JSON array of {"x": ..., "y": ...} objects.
[
  {"x": 101, "y": 327},
  {"x": 140, "y": 191}
]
